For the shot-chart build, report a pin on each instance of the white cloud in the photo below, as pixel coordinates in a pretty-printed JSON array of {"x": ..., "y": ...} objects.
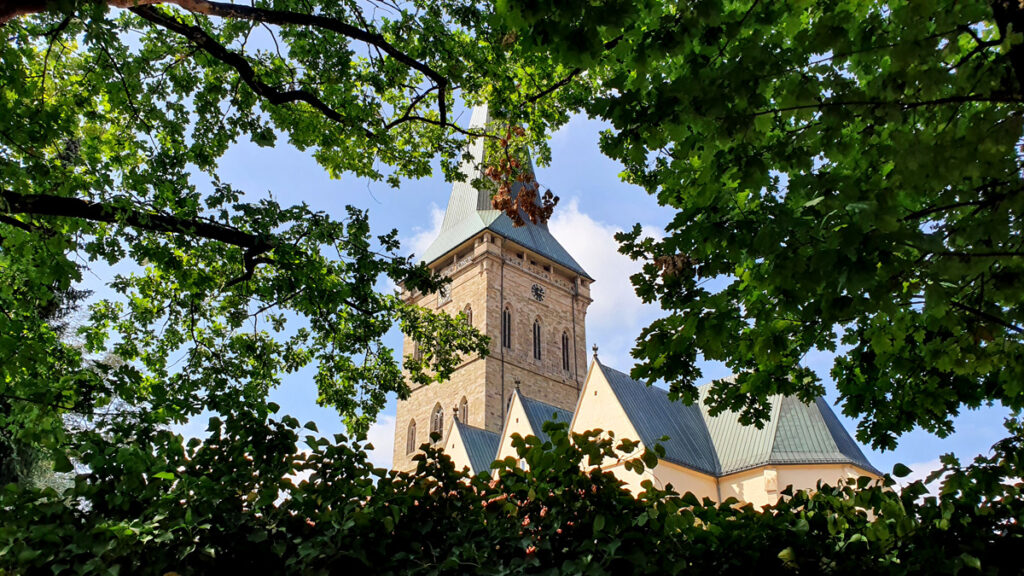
[
  {"x": 617, "y": 315},
  {"x": 382, "y": 436},
  {"x": 422, "y": 237}
]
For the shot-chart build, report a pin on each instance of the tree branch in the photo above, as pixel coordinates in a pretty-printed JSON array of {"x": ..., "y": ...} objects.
[
  {"x": 575, "y": 72},
  {"x": 17, "y": 223},
  {"x": 985, "y": 315},
  {"x": 934, "y": 209},
  {"x": 998, "y": 98},
  {"x": 13, "y": 8},
  {"x": 47, "y": 205},
  {"x": 10, "y": 9},
  {"x": 1009, "y": 14},
  {"x": 200, "y": 38},
  {"x": 287, "y": 17}
]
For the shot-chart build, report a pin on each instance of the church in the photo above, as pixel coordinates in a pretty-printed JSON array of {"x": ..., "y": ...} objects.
[{"x": 519, "y": 286}]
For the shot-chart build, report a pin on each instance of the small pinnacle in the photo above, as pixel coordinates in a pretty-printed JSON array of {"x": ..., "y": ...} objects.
[
  {"x": 517, "y": 383},
  {"x": 595, "y": 350}
]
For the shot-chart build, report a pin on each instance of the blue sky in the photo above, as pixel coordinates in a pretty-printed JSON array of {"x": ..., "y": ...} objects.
[{"x": 594, "y": 205}]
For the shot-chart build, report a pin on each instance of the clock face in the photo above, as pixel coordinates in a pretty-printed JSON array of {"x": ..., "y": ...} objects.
[{"x": 538, "y": 292}]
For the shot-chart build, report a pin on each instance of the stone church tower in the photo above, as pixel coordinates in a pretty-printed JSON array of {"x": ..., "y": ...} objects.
[{"x": 518, "y": 286}]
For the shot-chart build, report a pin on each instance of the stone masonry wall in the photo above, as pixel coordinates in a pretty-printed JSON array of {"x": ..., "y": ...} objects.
[{"x": 488, "y": 273}]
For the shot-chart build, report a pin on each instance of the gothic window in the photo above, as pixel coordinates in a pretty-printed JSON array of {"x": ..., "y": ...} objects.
[
  {"x": 417, "y": 353},
  {"x": 464, "y": 410},
  {"x": 468, "y": 311},
  {"x": 437, "y": 420},
  {"x": 506, "y": 328},
  {"x": 410, "y": 439},
  {"x": 565, "y": 351},
  {"x": 536, "y": 339}
]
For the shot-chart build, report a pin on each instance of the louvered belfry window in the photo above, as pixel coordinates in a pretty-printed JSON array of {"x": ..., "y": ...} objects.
[
  {"x": 506, "y": 328},
  {"x": 565, "y": 351},
  {"x": 536, "y": 339}
]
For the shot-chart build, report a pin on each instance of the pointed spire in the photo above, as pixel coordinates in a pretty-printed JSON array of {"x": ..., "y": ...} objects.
[{"x": 470, "y": 211}]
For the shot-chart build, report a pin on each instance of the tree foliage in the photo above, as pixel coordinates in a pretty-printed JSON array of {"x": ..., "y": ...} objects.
[
  {"x": 848, "y": 169},
  {"x": 112, "y": 122},
  {"x": 846, "y": 176},
  {"x": 248, "y": 499}
]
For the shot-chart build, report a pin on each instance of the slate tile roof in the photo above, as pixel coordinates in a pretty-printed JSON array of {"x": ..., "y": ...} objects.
[
  {"x": 797, "y": 433},
  {"x": 654, "y": 416},
  {"x": 481, "y": 446},
  {"x": 538, "y": 413}
]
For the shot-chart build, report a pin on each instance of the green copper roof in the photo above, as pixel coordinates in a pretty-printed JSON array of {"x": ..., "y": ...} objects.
[
  {"x": 796, "y": 433},
  {"x": 481, "y": 446},
  {"x": 538, "y": 413},
  {"x": 469, "y": 213}
]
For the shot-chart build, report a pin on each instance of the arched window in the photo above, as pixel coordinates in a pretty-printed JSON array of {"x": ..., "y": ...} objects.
[
  {"x": 506, "y": 328},
  {"x": 410, "y": 439},
  {"x": 464, "y": 410},
  {"x": 468, "y": 311},
  {"x": 536, "y": 339},
  {"x": 417, "y": 353},
  {"x": 437, "y": 420},
  {"x": 565, "y": 351}
]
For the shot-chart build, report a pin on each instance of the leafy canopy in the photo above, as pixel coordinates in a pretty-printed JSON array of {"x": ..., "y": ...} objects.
[
  {"x": 113, "y": 118},
  {"x": 846, "y": 177}
]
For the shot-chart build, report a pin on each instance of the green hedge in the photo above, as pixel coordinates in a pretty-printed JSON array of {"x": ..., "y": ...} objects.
[{"x": 152, "y": 503}]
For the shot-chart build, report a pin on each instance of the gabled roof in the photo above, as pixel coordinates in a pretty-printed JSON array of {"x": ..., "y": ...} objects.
[
  {"x": 481, "y": 446},
  {"x": 796, "y": 433},
  {"x": 653, "y": 416},
  {"x": 469, "y": 212},
  {"x": 538, "y": 413}
]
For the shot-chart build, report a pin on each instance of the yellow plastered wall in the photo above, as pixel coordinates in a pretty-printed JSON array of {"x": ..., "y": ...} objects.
[
  {"x": 517, "y": 423},
  {"x": 761, "y": 486},
  {"x": 685, "y": 480},
  {"x": 455, "y": 448},
  {"x": 598, "y": 408}
]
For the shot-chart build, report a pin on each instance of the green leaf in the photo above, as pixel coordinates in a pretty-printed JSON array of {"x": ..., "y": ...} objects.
[
  {"x": 901, "y": 470},
  {"x": 61, "y": 462},
  {"x": 970, "y": 561}
]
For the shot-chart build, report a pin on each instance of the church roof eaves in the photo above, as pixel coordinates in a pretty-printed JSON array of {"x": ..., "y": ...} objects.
[{"x": 481, "y": 446}]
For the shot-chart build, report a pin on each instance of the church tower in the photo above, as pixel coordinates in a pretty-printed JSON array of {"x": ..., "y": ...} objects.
[{"x": 518, "y": 286}]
